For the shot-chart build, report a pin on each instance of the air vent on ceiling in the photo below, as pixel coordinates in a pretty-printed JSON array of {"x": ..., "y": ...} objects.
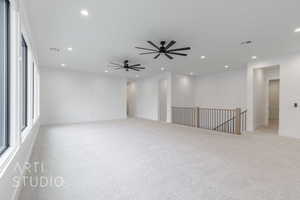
[
  {"x": 246, "y": 42},
  {"x": 53, "y": 49}
]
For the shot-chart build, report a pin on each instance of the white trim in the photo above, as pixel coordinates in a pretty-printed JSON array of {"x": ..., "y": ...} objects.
[
  {"x": 35, "y": 129},
  {"x": 14, "y": 80},
  {"x": 6, "y": 158}
]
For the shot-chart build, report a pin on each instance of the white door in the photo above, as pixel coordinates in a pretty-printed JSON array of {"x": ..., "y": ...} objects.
[
  {"x": 274, "y": 99},
  {"x": 163, "y": 100}
]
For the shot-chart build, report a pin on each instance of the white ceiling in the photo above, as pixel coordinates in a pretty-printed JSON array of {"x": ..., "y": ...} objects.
[{"x": 214, "y": 28}]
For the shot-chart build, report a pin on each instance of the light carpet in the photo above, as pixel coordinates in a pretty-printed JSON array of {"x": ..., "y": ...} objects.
[{"x": 144, "y": 160}]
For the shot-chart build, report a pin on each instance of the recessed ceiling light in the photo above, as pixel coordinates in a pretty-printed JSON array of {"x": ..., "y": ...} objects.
[
  {"x": 203, "y": 57},
  {"x": 63, "y": 65},
  {"x": 297, "y": 30},
  {"x": 84, "y": 12},
  {"x": 70, "y": 49},
  {"x": 226, "y": 66},
  {"x": 254, "y": 57},
  {"x": 162, "y": 69},
  {"x": 106, "y": 71}
]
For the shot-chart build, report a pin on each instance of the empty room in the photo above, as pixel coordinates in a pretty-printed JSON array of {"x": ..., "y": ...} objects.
[{"x": 149, "y": 100}]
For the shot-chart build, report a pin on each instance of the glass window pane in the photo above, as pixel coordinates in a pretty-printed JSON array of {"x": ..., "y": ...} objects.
[{"x": 3, "y": 75}]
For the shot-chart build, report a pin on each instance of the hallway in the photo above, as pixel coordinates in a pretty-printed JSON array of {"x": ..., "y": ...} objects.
[{"x": 272, "y": 128}]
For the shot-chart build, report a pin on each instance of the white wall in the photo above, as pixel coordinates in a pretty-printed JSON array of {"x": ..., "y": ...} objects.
[
  {"x": 183, "y": 90},
  {"x": 222, "y": 90},
  {"x": 259, "y": 97},
  {"x": 163, "y": 98},
  {"x": 146, "y": 97},
  {"x": 272, "y": 73},
  {"x": 69, "y": 97},
  {"x": 289, "y": 93}
]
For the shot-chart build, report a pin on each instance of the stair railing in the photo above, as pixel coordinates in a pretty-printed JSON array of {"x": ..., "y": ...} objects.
[{"x": 224, "y": 120}]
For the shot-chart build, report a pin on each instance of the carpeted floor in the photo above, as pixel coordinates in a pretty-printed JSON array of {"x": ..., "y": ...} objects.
[{"x": 145, "y": 160}]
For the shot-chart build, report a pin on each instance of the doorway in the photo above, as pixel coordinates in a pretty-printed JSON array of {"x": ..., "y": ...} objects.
[
  {"x": 274, "y": 103},
  {"x": 266, "y": 99},
  {"x": 131, "y": 99},
  {"x": 162, "y": 100}
]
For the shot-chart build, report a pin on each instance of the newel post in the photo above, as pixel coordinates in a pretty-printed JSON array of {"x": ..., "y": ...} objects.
[
  {"x": 237, "y": 128},
  {"x": 196, "y": 117}
]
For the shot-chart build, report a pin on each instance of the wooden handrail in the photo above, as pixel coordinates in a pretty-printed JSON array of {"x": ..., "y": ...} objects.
[
  {"x": 219, "y": 126},
  {"x": 229, "y": 120}
]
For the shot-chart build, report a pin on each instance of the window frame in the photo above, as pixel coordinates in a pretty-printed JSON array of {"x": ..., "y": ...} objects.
[
  {"x": 6, "y": 78},
  {"x": 33, "y": 91},
  {"x": 24, "y": 119}
]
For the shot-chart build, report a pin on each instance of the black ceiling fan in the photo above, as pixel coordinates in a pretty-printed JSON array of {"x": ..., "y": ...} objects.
[
  {"x": 126, "y": 66},
  {"x": 164, "y": 49}
]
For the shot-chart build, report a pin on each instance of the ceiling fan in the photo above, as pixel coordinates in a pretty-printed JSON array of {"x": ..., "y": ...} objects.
[
  {"x": 126, "y": 66},
  {"x": 164, "y": 49}
]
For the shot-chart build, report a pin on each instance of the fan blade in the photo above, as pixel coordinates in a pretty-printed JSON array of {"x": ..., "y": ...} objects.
[
  {"x": 170, "y": 44},
  {"x": 157, "y": 56},
  {"x": 180, "y": 54},
  {"x": 181, "y": 49},
  {"x": 137, "y": 65},
  {"x": 137, "y": 68},
  {"x": 134, "y": 69},
  {"x": 170, "y": 57},
  {"x": 115, "y": 64},
  {"x": 117, "y": 68},
  {"x": 148, "y": 53},
  {"x": 145, "y": 49},
  {"x": 153, "y": 45}
]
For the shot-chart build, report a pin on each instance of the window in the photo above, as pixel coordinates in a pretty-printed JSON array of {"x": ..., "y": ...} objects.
[
  {"x": 4, "y": 75},
  {"x": 24, "y": 85}
]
